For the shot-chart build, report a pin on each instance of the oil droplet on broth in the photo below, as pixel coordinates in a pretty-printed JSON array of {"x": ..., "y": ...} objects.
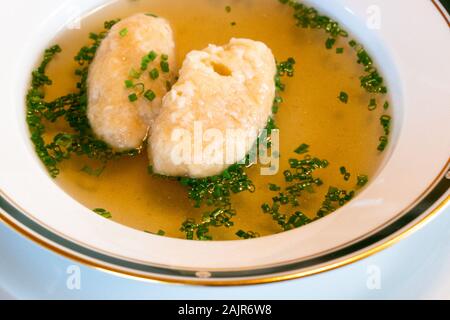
[{"x": 344, "y": 134}]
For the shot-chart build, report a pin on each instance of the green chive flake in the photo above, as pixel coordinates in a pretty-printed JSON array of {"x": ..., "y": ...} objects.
[
  {"x": 164, "y": 66},
  {"x": 103, "y": 212},
  {"x": 362, "y": 180},
  {"x": 149, "y": 95},
  {"x": 123, "y": 32},
  {"x": 304, "y": 148},
  {"x": 330, "y": 43},
  {"x": 133, "y": 97},
  {"x": 372, "y": 104},
  {"x": 343, "y": 97},
  {"x": 154, "y": 74},
  {"x": 134, "y": 74},
  {"x": 129, "y": 84}
]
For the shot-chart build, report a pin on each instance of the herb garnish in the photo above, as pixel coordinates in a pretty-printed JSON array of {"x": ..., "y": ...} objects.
[
  {"x": 372, "y": 104},
  {"x": 150, "y": 57},
  {"x": 247, "y": 235},
  {"x": 284, "y": 68},
  {"x": 164, "y": 63},
  {"x": 304, "y": 148},
  {"x": 159, "y": 233},
  {"x": 123, "y": 32},
  {"x": 150, "y": 95},
  {"x": 343, "y": 97},
  {"x": 103, "y": 212},
  {"x": 345, "y": 173},
  {"x": 133, "y": 97},
  {"x": 154, "y": 74},
  {"x": 334, "y": 199},
  {"x": 385, "y": 122},
  {"x": 362, "y": 180},
  {"x": 299, "y": 178},
  {"x": 93, "y": 172}
]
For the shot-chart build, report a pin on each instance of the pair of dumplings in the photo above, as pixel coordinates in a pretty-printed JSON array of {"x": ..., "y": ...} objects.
[{"x": 218, "y": 88}]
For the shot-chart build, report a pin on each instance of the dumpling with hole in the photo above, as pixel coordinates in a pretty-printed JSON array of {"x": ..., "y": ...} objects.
[{"x": 224, "y": 94}]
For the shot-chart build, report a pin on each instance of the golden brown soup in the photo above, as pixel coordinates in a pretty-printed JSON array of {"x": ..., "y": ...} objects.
[{"x": 344, "y": 134}]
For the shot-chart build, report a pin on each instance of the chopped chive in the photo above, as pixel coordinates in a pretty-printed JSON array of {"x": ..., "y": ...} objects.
[
  {"x": 164, "y": 66},
  {"x": 266, "y": 208},
  {"x": 133, "y": 97},
  {"x": 372, "y": 104},
  {"x": 247, "y": 235},
  {"x": 144, "y": 65},
  {"x": 304, "y": 148},
  {"x": 345, "y": 173},
  {"x": 154, "y": 74},
  {"x": 164, "y": 57},
  {"x": 149, "y": 95},
  {"x": 129, "y": 84},
  {"x": 152, "y": 56},
  {"x": 343, "y": 97},
  {"x": 159, "y": 233},
  {"x": 386, "y": 105},
  {"x": 385, "y": 122},
  {"x": 104, "y": 213},
  {"x": 330, "y": 43},
  {"x": 275, "y": 109},
  {"x": 134, "y": 74},
  {"x": 93, "y": 172},
  {"x": 228, "y": 9},
  {"x": 362, "y": 180},
  {"x": 334, "y": 199},
  {"x": 384, "y": 141},
  {"x": 123, "y": 32},
  {"x": 147, "y": 59},
  {"x": 339, "y": 50},
  {"x": 274, "y": 187},
  {"x": 151, "y": 15}
]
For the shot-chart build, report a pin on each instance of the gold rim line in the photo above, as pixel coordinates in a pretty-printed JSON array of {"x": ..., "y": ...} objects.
[
  {"x": 442, "y": 12},
  {"x": 412, "y": 228}
]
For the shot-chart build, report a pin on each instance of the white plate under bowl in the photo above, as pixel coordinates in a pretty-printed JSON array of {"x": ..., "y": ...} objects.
[{"x": 412, "y": 47}]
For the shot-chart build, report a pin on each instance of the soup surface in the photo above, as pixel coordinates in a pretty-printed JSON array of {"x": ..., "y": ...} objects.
[{"x": 345, "y": 134}]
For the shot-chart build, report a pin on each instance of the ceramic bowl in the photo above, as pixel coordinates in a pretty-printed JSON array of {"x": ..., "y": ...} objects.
[{"x": 412, "y": 48}]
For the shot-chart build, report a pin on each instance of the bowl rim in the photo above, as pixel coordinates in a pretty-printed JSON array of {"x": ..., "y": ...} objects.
[
  {"x": 422, "y": 211},
  {"x": 432, "y": 201}
]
